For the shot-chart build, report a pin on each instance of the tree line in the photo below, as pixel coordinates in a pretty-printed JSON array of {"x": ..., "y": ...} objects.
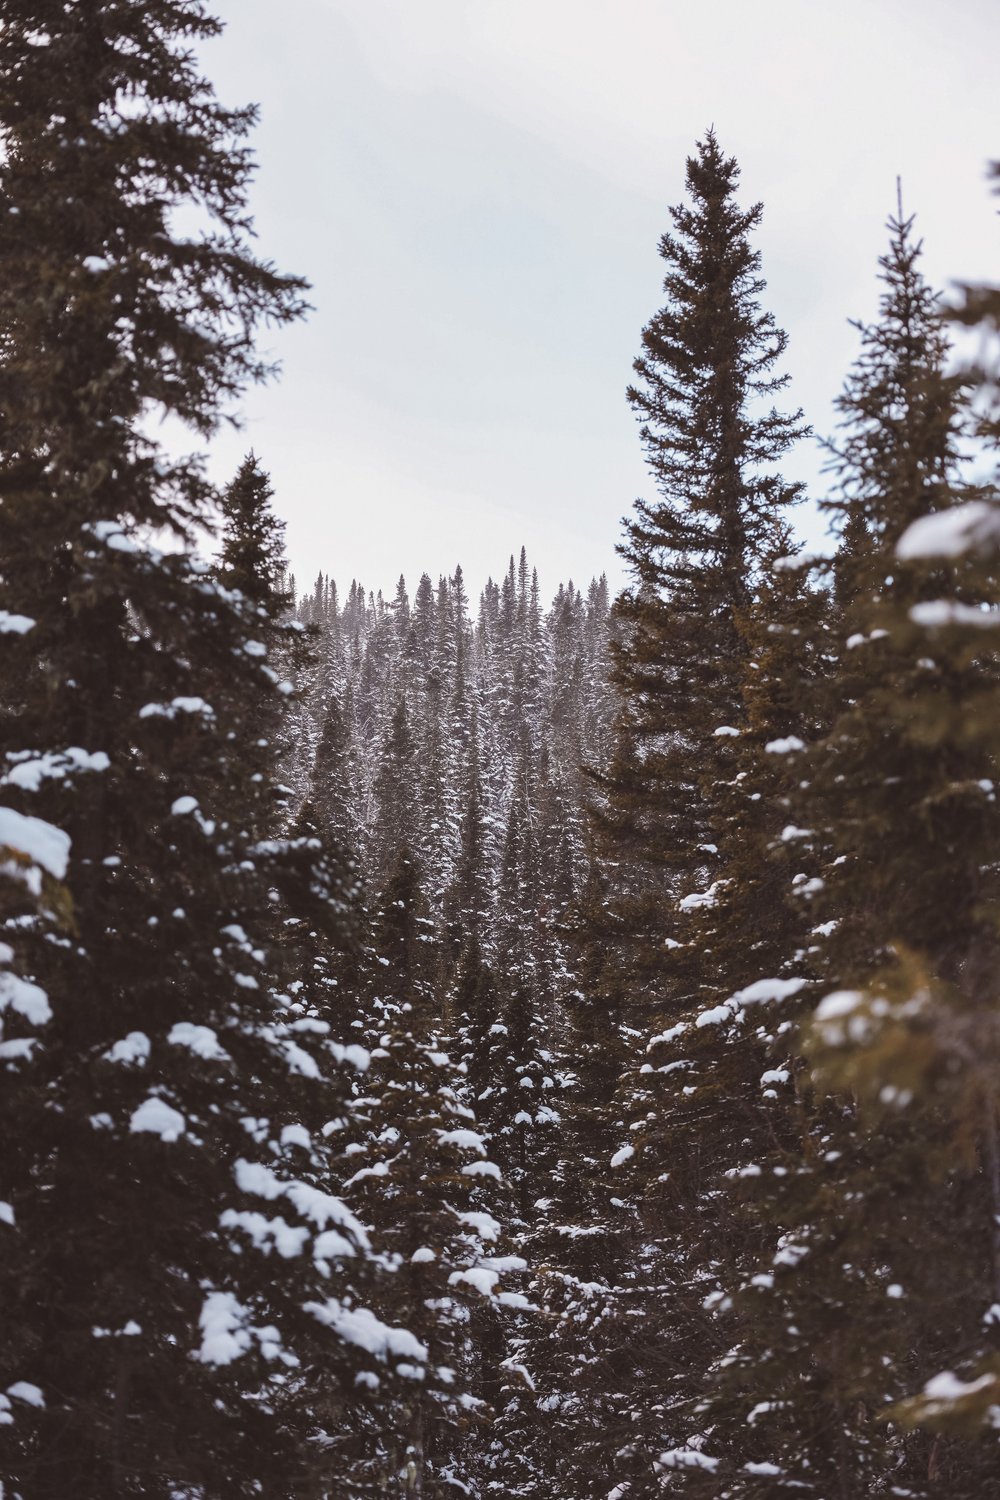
[{"x": 544, "y": 1050}]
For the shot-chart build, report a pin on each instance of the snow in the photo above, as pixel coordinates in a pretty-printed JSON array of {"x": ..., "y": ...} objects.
[
  {"x": 26, "y": 998},
  {"x": 201, "y": 1040},
  {"x": 15, "y": 624},
  {"x": 113, "y": 536},
  {"x": 725, "y": 731},
  {"x": 296, "y": 1135},
  {"x": 622, "y": 1156},
  {"x": 43, "y": 844},
  {"x": 484, "y": 1224},
  {"x": 786, "y": 746},
  {"x": 700, "y": 898},
  {"x": 289, "y": 1240},
  {"x": 177, "y": 706},
  {"x": 686, "y": 1458},
  {"x": 20, "y": 1047},
  {"x": 6, "y": 1213},
  {"x": 973, "y": 527},
  {"x": 839, "y": 1003},
  {"x": 670, "y": 1035},
  {"x": 715, "y": 1017},
  {"x": 224, "y": 1336},
  {"x": 764, "y": 991},
  {"x": 422, "y": 1256},
  {"x": 322, "y": 1209},
  {"x": 23, "y": 1390},
  {"x": 480, "y": 1278},
  {"x": 465, "y": 1140},
  {"x": 790, "y": 832},
  {"x": 134, "y": 1048},
  {"x": 332, "y": 1245},
  {"x": 30, "y": 772},
  {"x": 482, "y": 1169},
  {"x": 763, "y": 1469},
  {"x": 156, "y": 1117},
  {"x": 360, "y": 1327},
  {"x": 947, "y": 1386},
  {"x": 182, "y": 806},
  {"x": 939, "y": 612}
]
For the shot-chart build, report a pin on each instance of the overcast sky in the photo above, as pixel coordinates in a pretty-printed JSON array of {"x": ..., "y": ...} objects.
[{"x": 476, "y": 188}]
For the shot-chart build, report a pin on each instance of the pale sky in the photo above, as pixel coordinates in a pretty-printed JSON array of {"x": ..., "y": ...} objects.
[{"x": 476, "y": 188}]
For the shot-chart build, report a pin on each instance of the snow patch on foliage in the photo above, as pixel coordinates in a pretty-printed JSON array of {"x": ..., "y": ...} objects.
[
  {"x": 201, "y": 1040},
  {"x": 359, "y": 1326},
  {"x": 29, "y": 771},
  {"x": 935, "y": 613},
  {"x": 156, "y": 1117},
  {"x": 15, "y": 624},
  {"x": 26, "y": 998},
  {"x": 973, "y": 527},
  {"x": 41, "y": 842},
  {"x": 133, "y": 1048}
]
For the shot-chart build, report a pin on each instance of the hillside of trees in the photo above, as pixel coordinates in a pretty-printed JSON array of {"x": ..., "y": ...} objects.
[{"x": 505, "y": 1047}]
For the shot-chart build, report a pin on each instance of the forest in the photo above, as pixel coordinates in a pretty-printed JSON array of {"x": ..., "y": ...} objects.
[{"x": 503, "y": 1046}]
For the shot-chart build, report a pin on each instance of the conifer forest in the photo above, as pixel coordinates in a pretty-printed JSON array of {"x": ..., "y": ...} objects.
[{"x": 462, "y": 1040}]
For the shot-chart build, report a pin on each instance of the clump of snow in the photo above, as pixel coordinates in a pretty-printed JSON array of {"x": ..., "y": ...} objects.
[
  {"x": 15, "y": 624},
  {"x": 484, "y": 1224},
  {"x": 725, "y": 731},
  {"x": 177, "y": 706},
  {"x": 359, "y": 1326},
  {"x": 465, "y": 1140},
  {"x": 786, "y": 746},
  {"x": 223, "y": 1326},
  {"x": 156, "y": 1117},
  {"x": 716, "y": 1016},
  {"x": 481, "y": 1278},
  {"x": 289, "y": 1240},
  {"x": 30, "y": 771},
  {"x": 26, "y": 998},
  {"x": 182, "y": 806},
  {"x": 23, "y": 1390},
  {"x": 764, "y": 991},
  {"x": 201, "y": 1040},
  {"x": 686, "y": 1458},
  {"x": 840, "y": 1003},
  {"x": 422, "y": 1256},
  {"x": 624, "y": 1154},
  {"x": 482, "y": 1169},
  {"x": 939, "y": 612},
  {"x": 699, "y": 899},
  {"x": 41, "y": 842},
  {"x": 973, "y": 527},
  {"x": 947, "y": 1387},
  {"x": 134, "y": 1048}
]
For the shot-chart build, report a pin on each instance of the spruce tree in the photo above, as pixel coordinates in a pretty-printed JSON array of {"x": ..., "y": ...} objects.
[{"x": 171, "y": 1239}]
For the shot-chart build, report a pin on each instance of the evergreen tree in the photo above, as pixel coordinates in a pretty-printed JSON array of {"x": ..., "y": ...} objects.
[{"x": 163, "y": 1092}]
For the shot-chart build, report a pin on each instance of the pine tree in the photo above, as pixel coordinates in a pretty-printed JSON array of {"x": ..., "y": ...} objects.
[
  {"x": 163, "y": 1092},
  {"x": 883, "y": 1266}
]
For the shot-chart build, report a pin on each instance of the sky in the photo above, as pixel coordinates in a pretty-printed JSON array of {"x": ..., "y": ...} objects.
[{"x": 475, "y": 190}]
